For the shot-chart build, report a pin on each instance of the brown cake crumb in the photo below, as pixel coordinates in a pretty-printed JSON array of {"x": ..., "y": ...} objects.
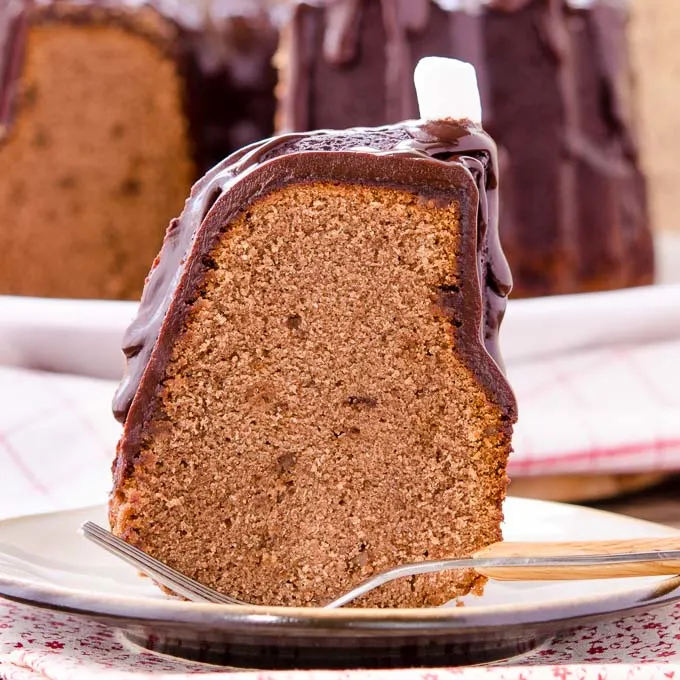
[
  {"x": 316, "y": 423},
  {"x": 95, "y": 164}
]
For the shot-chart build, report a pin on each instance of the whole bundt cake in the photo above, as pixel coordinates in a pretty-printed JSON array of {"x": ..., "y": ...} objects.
[{"x": 555, "y": 83}]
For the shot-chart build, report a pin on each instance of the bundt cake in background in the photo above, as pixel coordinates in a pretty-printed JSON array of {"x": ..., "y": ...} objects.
[
  {"x": 108, "y": 113},
  {"x": 556, "y": 89}
]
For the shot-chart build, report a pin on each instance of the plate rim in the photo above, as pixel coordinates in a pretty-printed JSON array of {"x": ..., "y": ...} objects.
[{"x": 172, "y": 611}]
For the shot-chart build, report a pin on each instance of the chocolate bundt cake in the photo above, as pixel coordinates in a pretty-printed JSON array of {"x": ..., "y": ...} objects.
[
  {"x": 555, "y": 84},
  {"x": 109, "y": 111},
  {"x": 314, "y": 391}
]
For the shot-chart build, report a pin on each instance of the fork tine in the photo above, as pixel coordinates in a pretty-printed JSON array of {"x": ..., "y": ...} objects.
[
  {"x": 401, "y": 571},
  {"x": 138, "y": 559},
  {"x": 164, "y": 574},
  {"x": 141, "y": 560},
  {"x": 160, "y": 572}
]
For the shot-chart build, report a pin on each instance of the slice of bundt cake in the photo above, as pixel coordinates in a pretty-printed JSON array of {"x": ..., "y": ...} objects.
[
  {"x": 314, "y": 391},
  {"x": 109, "y": 111}
]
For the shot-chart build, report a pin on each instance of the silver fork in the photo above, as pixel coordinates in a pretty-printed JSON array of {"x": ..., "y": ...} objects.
[
  {"x": 178, "y": 583},
  {"x": 500, "y": 561}
]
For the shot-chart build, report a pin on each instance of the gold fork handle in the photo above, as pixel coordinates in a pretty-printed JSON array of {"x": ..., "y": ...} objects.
[{"x": 573, "y": 548}]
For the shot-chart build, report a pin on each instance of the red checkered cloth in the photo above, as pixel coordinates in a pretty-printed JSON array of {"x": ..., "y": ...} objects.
[
  {"x": 57, "y": 439},
  {"x": 613, "y": 409}
]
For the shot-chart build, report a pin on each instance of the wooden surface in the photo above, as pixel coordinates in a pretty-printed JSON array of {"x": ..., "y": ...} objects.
[
  {"x": 584, "y": 488},
  {"x": 659, "y": 503}
]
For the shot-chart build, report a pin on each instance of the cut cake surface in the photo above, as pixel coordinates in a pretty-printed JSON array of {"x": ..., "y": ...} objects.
[{"x": 314, "y": 391}]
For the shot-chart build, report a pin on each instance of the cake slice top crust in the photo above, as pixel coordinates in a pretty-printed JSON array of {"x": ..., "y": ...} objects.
[{"x": 442, "y": 161}]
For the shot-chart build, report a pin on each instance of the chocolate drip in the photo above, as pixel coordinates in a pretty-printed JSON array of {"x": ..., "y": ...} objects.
[
  {"x": 467, "y": 43},
  {"x": 457, "y": 144},
  {"x": 556, "y": 34},
  {"x": 342, "y": 25},
  {"x": 610, "y": 32},
  {"x": 295, "y": 74},
  {"x": 398, "y": 74}
]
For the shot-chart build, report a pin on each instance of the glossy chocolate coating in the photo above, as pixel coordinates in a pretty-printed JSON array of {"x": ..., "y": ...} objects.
[
  {"x": 554, "y": 79},
  {"x": 445, "y": 160},
  {"x": 223, "y": 54}
]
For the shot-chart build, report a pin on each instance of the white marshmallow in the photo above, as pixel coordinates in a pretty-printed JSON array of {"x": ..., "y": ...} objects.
[{"x": 447, "y": 88}]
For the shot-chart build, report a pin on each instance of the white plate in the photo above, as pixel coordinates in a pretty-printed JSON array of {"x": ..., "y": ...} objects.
[{"x": 43, "y": 561}]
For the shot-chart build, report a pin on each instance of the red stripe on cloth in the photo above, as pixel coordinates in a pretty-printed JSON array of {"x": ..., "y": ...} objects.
[
  {"x": 603, "y": 452},
  {"x": 104, "y": 447},
  {"x": 549, "y": 383},
  {"x": 642, "y": 376},
  {"x": 15, "y": 457},
  {"x": 568, "y": 388}
]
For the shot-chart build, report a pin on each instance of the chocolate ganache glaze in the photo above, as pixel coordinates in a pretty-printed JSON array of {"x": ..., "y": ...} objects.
[
  {"x": 555, "y": 88},
  {"x": 445, "y": 160},
  {"x": 223, "y": 52}
]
